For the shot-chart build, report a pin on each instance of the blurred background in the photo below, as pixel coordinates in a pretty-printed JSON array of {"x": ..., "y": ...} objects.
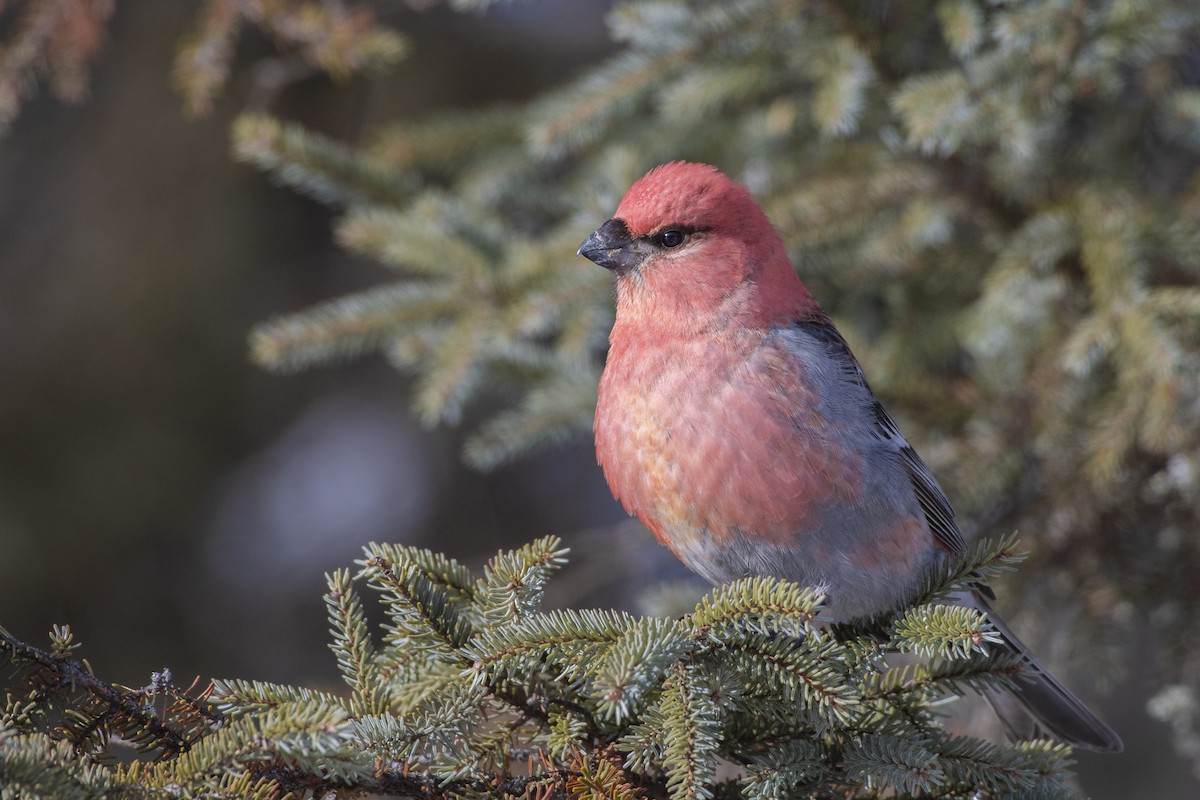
[
  {"x": 178, "y": 506},
  {"x": 136, "y": 436},
  {"x": 173, "y": 503}
]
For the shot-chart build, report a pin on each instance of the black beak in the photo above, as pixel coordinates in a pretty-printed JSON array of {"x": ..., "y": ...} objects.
[{"x": 612, "y": 247}]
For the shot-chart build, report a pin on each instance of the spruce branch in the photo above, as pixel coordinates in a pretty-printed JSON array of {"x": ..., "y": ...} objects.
[
  {"x": 768, "y": 605},
  {"x": 555, "y": 412},
  {"x": 637, "y": 663},
  {"x": 424, "y": 607},
  {"x": 347, "y": 327},
  {"x": 785, "y": 770},
  {"x": 943, "y": 678},
  {"x": 352, "y": 645},
  {"x": 478, "y": 691},
  {"x": 908, "y": 765},
  {"x": 514, "y": 582},
  {"x": 983, "y": 559},
  {"x": 313, "y": 164},
  {"x": 65, "y": 701},
  {"x": 801, "y": 673},
  {"x": 1040, "y": 770},
  {"x": 329, "y": 36},
  {"x": 53, "y": 40},
  {"x": 944, "y": 631},
  {"x": 692, "y": 732}
]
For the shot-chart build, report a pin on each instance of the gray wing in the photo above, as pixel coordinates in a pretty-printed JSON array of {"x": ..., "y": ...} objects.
[{"x": 938, "y": 513}]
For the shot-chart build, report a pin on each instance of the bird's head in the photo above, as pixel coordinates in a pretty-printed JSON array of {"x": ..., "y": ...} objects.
[{"x": 691, "y": 248}]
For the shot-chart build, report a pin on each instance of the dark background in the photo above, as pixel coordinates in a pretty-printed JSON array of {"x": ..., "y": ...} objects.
[
  {"x": 176, "y": 505},
  {"x": 172, "y": 502}
]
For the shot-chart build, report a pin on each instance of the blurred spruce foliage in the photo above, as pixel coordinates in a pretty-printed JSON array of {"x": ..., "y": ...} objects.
[{"x": 998, "y": 202}]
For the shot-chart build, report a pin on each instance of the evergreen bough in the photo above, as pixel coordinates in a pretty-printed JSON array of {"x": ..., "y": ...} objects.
[{"x": 470, "y": 689}]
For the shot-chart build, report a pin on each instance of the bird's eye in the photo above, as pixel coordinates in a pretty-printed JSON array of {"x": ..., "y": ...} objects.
[{"x": 671, "y": 238}]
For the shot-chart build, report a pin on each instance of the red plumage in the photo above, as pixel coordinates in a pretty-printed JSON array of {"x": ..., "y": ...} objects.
[{"x": 734, "y": 421}]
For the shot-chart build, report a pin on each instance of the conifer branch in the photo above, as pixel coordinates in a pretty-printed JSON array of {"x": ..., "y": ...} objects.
[
  {"x": 324, "y": 169},
  {"x": 92, "y": 708},
  {"x": 746, "y": 678},
  {"x": 52, "y": 39},
  {"x": 330, "y": 36}
]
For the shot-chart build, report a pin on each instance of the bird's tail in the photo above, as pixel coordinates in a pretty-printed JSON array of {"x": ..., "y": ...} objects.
[{"x": 1041, "y": 706}]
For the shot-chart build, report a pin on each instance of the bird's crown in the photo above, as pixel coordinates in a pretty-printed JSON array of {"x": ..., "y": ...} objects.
[{"x": 689, "y": 195}]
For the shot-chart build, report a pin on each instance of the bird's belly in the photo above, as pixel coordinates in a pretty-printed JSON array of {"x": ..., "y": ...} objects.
[{"x": 861, "y": 570}]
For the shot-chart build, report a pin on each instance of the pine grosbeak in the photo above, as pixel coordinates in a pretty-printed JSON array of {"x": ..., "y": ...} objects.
[{"x": 734, "y": 421}]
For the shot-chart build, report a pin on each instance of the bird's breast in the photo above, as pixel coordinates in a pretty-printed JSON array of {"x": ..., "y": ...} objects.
[{"x": 708, "y": 442}]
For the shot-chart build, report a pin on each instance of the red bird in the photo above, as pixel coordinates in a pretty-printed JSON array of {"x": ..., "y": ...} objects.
[{"x": 734, "y": 421}]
